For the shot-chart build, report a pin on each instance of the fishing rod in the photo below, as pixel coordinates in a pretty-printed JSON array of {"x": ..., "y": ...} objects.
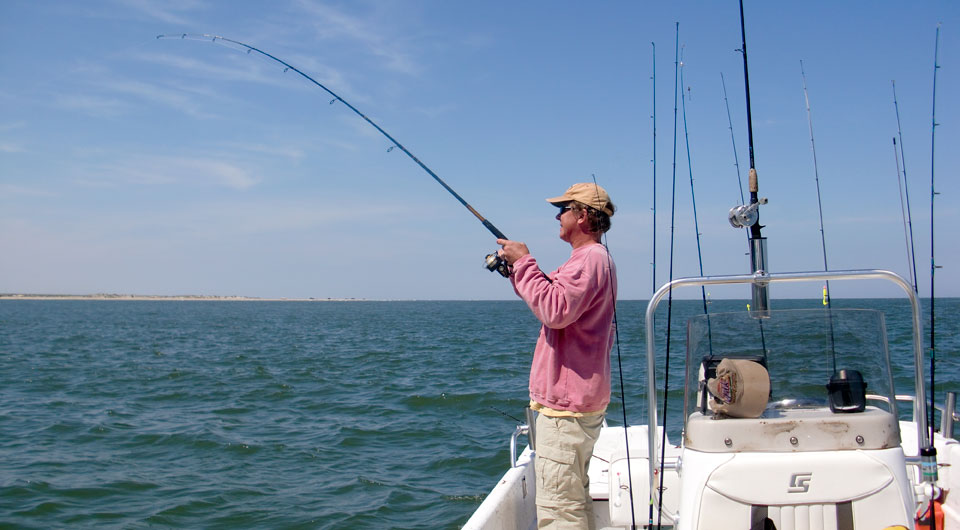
[
  {"x": 492, "y": 261},
  {"x": 823, "y": 240},
  {"x": 654, "y": 78},
  {"x": 903, "y": 212},
  {"x": 736, "y": 159},
  {"x": 749, "y": 215},
  {"x": 693, "y": 197},
  {"x": 906, "y": 191},
  {"x": 733, "y": 142},
  {"x": 666, "y": 373},
  {"x": 929, "y": 455}
]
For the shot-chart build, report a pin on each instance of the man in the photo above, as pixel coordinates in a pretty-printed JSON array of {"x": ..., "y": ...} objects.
[{"x": 570, "y": 373}]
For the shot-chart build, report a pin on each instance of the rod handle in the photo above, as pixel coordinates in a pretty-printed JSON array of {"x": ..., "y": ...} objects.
[{"x": 493, "y": 230}]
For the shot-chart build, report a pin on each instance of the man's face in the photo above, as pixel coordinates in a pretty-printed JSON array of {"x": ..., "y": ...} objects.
[{"x": 568, "y": 222}]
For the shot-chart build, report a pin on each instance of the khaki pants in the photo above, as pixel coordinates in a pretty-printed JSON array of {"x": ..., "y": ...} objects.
[{"x": 564, "y": 447}]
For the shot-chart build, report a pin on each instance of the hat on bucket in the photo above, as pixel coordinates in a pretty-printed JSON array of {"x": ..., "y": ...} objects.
[
  {"x": 586, "y": 193},
  {"x": 740, "y": 389}
]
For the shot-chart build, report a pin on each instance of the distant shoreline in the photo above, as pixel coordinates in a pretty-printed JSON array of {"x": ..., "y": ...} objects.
[
  {"x": 212, "y": 298},
  {"x": 171, "y": 298}
]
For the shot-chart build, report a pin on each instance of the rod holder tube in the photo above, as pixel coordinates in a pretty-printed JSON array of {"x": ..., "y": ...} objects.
[
  {"x": 758, "y": 264},
  {"x": 531, "y": 427},
  {"x": 520, "y": 430},
  {"x": 949, "y": 412}
]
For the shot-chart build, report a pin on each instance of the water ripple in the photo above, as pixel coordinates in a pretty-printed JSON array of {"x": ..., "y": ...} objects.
[{"x": 251, "y": 415}]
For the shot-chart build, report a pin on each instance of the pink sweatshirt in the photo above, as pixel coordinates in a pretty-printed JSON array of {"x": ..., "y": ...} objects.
[{"x": 571, "y": 363}]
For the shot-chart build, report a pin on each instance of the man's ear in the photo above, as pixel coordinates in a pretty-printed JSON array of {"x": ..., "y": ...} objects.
[{"x": 583, "y": 216}]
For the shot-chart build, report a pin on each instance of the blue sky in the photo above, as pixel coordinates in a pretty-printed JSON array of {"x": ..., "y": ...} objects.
[{"x": 135, "y": 165}]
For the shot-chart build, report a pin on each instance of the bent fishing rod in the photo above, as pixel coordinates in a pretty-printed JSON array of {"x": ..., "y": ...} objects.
[{"x": 492, "y": 261}]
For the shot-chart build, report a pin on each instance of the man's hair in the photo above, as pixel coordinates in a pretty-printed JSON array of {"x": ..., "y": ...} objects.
[{"x": 599, "y": 221}]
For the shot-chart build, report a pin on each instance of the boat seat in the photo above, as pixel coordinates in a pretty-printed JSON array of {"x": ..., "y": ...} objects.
[{"x": 807, "y": 491}]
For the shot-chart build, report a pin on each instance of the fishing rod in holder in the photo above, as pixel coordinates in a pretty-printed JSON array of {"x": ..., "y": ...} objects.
[
  {"x": 748, "y": 215},
  {"x": 492, "y": 261}
]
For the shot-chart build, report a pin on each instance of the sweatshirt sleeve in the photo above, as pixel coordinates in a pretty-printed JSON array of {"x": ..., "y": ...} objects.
[{"x": 559, "y": 302}]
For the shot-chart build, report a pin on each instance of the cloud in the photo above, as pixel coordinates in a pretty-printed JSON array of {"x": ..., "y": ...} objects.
[
  {"x": 251, "y": 68},
  {"x": 434, "y": 111},
  {"x": 13, "y": 190},
  {"x": 92, "y": 105},
  {"x": 7, "y": 147},
  {"x": 12, "y": 126},
  {"x": 168, "y": 171},
  {"x": 229, "y": 69},
  {"x": 106, "y": 94},
  {"x": 169, "y": 97},
  {"x": 169, "y": 11},
  {"x": 335, "y": 23},
  {"x": 228, "y": 175},
  {"x": 291, "y": 153}
]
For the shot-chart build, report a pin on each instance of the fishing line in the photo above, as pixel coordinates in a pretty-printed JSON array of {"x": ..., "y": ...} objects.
[
  {"x": 493, "y": 262},
  {"x": 616, "y": 335},
  {"x": 911, "y": 254},
  {"x": 823, "y": 240},
  {"x": 514, "y": 418}
]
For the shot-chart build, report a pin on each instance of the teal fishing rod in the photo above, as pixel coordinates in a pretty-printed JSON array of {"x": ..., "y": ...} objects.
[
  {"x": 693, "y": 197},
  {"x": 654, "y": 117},
  {"x": 928, "y": 455},
  {"x": 492, "y": 261}
]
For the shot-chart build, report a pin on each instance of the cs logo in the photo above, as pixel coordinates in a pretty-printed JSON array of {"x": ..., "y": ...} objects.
[{"x": 800, "y": 482}]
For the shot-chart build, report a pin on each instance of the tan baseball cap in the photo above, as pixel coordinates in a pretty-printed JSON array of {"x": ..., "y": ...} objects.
[
  {"x": 586, "y": 193},
  {"x": 741, "y": 388}
]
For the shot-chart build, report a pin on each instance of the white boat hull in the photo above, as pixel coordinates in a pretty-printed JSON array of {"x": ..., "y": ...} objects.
[{"x": 877, "y": 488}]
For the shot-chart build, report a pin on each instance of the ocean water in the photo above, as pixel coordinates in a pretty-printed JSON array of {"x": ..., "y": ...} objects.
[{"x": 203, "y": 414}]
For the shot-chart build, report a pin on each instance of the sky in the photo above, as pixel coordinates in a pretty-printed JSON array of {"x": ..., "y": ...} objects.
[{"x": 132, "y": 164}]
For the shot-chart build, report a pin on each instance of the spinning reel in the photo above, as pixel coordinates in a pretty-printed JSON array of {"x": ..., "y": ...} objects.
[{"x": 493, "y": 262}]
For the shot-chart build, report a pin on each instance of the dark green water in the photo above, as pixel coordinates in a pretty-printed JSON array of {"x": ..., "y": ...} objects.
[{"x": 120, "y": 414}]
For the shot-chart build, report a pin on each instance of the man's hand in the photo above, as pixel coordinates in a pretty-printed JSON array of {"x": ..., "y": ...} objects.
[{"x": 512, "y": 250}]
